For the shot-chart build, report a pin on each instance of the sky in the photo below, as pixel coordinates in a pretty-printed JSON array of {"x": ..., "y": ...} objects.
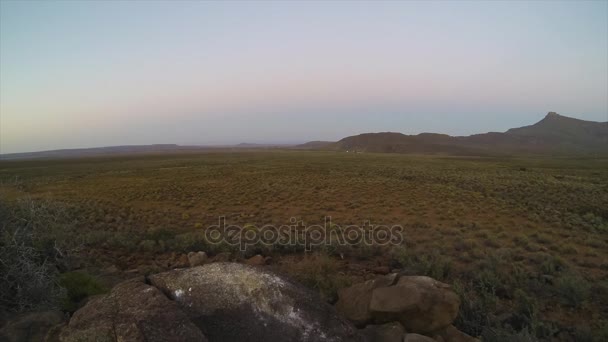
[{"x": 103, "y": 73}]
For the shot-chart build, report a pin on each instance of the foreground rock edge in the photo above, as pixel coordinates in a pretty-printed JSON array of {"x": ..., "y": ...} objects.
[{"x": 216, "y": 302}]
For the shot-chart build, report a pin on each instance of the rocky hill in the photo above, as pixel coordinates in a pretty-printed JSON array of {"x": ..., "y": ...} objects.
[{"x": 554, "y": 134}]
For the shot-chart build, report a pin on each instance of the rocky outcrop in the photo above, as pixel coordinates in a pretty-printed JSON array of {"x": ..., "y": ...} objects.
[
  {"x": 353, "y": 302},
  {"x": 420, "y": 304},
  {"x": 215, "y": 302},
  {"x": 236, "y": 302},
  {"x": 132, "y": 311},
  {"x": 423, "y": 306}
]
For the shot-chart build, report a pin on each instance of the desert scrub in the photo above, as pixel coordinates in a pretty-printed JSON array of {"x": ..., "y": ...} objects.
[
  {"x": 550, "y": 264},
  {"x": 499, "y": 275},
  {"x": 35, "y": 239},
  {"x": 320, "y": 272},
  {"x": 473, "y": 316},
  {"x": 78, "y": 286},
  {"x": 160, "y": 234},
  {"x": 477, "y": 319},
  {"x": 572, "y": 289},
  {"x": 433, "y": 265}
]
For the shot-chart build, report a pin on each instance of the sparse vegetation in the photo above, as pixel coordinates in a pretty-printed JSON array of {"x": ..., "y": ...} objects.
[
  {"x": 31, "y": 254},
  {"x": 319, "y": 272},
  {"x": 528, "y": 249}
]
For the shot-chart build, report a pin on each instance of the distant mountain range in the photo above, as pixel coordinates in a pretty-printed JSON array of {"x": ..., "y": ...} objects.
[
  {"x": 554, "y": 134},
  {"x": 133, "y": 149}
]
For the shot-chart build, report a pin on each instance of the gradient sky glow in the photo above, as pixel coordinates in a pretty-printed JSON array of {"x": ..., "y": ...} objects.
[{"x": 83, "y": 74}]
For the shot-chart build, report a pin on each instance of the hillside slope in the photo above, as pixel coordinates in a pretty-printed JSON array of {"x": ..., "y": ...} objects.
[{"x": 554, "y": 134}]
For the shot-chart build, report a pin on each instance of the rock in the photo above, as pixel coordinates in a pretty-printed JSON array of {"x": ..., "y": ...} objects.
[
  {"x": 132, "y": 311},
  {"x": 353, "y": 302},
  {"x": 417, "y": 338},
  {"x": 236, "y": 302},
  {"x": 222, "y": 257},
  {"x": 256, "y": 260},
  {"x": 181, "y": 262},
  {"x": 32, "y": 326},
  {"x": 390, "y": 332},
  {"x": 112, "y": 269},
  {"x": 421, "y": 304},
  {"x": 369, "y": 276},
  {"x": 197, "y": 258},
  {"x": 452, "y": 334},
  {"x": 53, "y": 334},
  {"x": 381, "y": 270},
  {"x": 355, "y": 267}
]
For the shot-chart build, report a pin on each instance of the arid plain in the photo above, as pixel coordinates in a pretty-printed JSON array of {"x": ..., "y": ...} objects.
[{"x": 523, "y": 240}]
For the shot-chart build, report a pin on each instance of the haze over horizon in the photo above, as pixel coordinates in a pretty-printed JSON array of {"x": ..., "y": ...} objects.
[{"x": 86, "y": 74}]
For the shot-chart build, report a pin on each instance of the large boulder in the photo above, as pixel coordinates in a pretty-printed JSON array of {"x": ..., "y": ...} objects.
[
  {"x": 132, "y": 311},
  {"x": 215, "y": 302},
  {"x": 389, "y": 332},
  {"x": 353, "y": 302},
  {"x": 236, "y": 302},
  {"x": 421, "y": 304}
]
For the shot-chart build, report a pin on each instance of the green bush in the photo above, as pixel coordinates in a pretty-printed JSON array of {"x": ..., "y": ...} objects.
[{"x": 78, "y": 286}]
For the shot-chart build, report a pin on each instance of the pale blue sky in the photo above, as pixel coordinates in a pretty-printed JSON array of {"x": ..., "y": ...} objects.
[{"x": 82, "y": 74}]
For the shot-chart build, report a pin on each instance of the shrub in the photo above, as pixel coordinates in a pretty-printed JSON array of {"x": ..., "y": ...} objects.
[
  {"x": 499, "y": 275},
  {"x": 187, "y": 242},
  {"x": 35, "y": 238},
  {"x": 320, "y": 272},
  {"x": 148, "y": 245},
  {"x": 601, "y": 333},
  {"x": 473, "y": 315},
  {"x": 28, "y": 280},
  {"x": 572, "y": 289},
  {"x": 552, "y": 265},
  {"x": 433, "y": 265},
  {"x": 160, "y": 234},
  {"x": 78, "y": 286}
]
